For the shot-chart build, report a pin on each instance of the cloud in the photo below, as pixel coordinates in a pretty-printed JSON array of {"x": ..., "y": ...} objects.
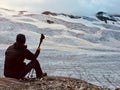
[
  {"x": 79, "y": 7},
  {"x": 20, "y": 4},
  {"x": 92, "y": 6},
  {"x": 67, "y": 6}
]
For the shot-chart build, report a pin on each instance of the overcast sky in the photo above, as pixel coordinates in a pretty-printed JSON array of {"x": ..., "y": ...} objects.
[{"x": 77, "y": 7}]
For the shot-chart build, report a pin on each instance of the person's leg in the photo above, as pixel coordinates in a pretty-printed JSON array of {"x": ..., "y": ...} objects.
[
  {"x": 32, "y": 65},
  {"x": 12, "y": 75}
]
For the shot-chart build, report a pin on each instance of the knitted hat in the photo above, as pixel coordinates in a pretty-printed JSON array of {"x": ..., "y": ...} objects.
[{"x": 21, "y": 38}]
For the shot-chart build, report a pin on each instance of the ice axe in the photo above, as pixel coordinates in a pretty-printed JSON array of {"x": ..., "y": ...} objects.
[{"x": 41, "y": 39}]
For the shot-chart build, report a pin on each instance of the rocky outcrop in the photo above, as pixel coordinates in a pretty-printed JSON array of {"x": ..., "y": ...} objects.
[
  {"x": 49, "y": 13},
  {"x": 49, "y": 21},
  {"x": 56, "y": 14},
  {"x": 47, "y": 83},
  {"x": 103, "y": 16}
]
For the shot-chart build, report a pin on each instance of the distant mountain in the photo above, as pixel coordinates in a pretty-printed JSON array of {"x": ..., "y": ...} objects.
[
  {"x": 103, "y": 16},
  {"x": 116, "y": 15},
  {"x": 91, "y": 19},
  {"x": 55, "y": 14}
]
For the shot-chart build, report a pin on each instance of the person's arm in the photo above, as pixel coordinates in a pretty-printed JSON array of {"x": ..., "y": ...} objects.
[
  {"x": 30, "y": 56},
  {"x": 37, "y": 52}
]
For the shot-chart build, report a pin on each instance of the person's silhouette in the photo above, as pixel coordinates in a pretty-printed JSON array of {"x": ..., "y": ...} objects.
[{"x": 15, "y": 55}]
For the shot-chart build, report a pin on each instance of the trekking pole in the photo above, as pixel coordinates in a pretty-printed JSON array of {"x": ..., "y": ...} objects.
[{"x": 41, "y": 40}]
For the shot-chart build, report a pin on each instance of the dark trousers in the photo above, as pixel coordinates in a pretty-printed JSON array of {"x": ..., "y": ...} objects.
[{"x": 34, "y": 64}]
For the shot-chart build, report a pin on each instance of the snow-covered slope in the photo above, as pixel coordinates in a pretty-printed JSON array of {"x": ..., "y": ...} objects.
[{"x": 84, "y": 48}]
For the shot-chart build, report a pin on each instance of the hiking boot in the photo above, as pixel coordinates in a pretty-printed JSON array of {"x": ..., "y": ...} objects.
[{"x": 44, "y": 74}]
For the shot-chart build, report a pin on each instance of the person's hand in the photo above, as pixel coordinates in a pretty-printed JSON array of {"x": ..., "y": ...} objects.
[{"x": 38, "y": 49}]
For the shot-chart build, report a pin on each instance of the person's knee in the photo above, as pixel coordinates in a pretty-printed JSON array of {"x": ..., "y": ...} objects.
[{"x": 35, "y": 62}]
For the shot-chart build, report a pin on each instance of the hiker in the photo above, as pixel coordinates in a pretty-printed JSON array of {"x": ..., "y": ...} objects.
[{"x": 15, "y": 55}]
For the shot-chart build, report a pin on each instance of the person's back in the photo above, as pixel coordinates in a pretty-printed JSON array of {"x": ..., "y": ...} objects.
[{"x": 14, "y": 60}]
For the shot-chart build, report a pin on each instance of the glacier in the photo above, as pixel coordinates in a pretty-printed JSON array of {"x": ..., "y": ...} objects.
[{"x": 79, "y": 48}]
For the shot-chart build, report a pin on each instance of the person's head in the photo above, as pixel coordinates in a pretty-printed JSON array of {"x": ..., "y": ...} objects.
[{"x": 21, "y": 39}]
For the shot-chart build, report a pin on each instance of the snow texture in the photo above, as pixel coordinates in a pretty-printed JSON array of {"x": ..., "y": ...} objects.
[{"x": 84, "y": 48}]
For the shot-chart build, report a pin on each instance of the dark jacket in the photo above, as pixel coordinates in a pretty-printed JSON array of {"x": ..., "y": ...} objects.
[{"x": 14, "y": 58}]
